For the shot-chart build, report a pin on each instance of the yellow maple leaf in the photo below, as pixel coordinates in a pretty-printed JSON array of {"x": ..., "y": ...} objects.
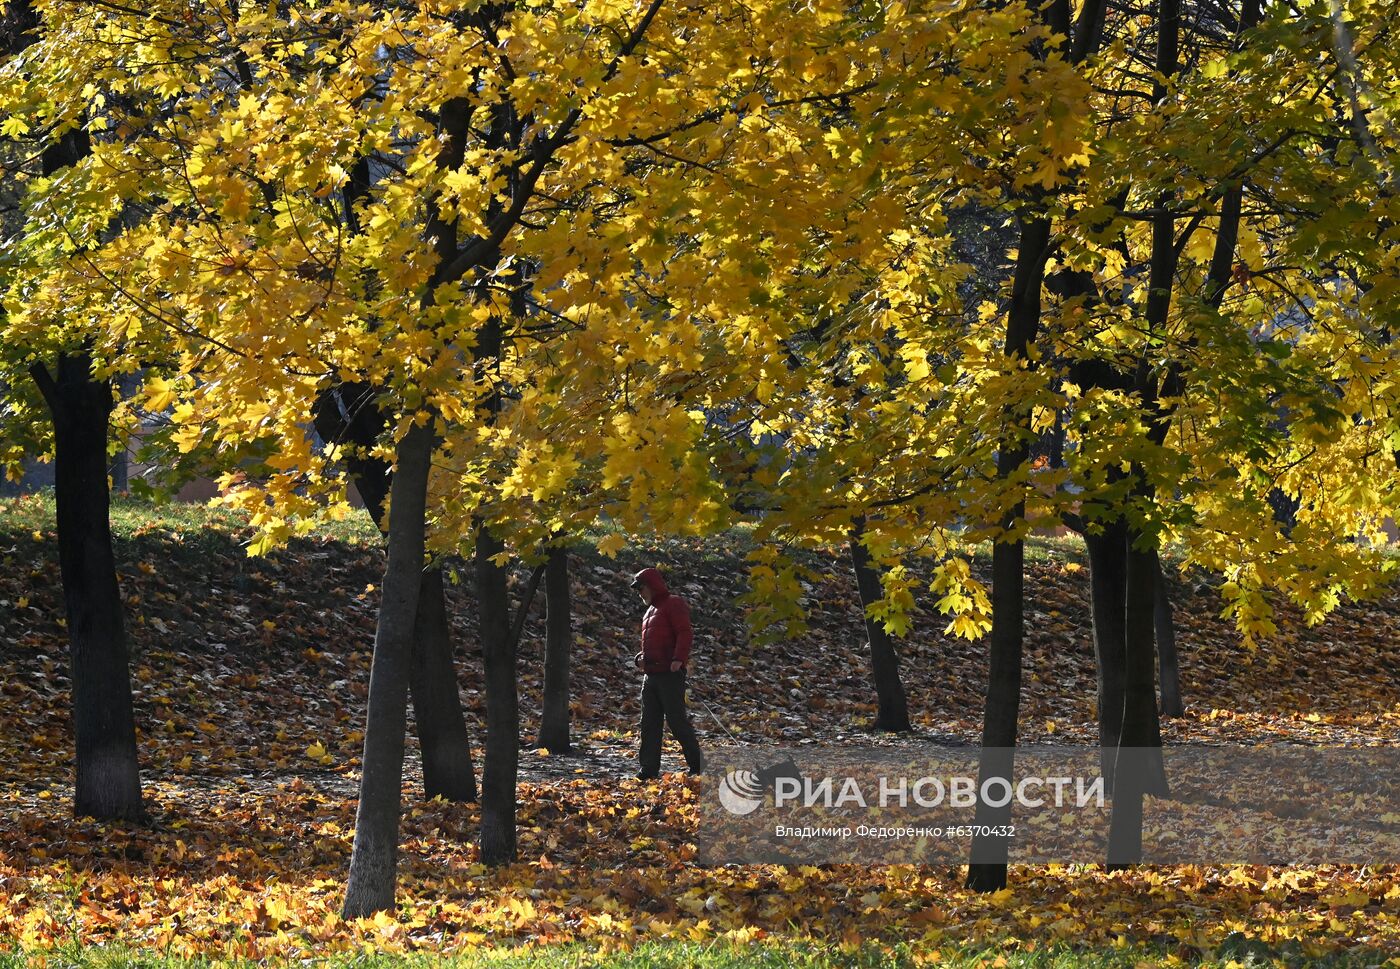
[
  {"x": 318, "y": 753},
  {"x": 160, "y": 394}
]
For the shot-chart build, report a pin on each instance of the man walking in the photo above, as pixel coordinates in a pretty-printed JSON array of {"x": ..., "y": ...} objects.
[{"x": 666, "y": 640}]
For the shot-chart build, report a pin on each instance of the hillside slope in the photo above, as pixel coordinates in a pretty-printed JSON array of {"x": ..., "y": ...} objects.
[{"x": 241, "y": 664}]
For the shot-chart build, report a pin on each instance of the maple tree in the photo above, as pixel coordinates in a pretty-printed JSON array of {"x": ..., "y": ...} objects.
[
  {"x": 1174, "y": 248},
  {"x": 78, "y": 395},
  {"x": 987, "y": 867}
]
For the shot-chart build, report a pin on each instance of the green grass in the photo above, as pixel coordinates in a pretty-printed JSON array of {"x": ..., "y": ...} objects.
[
  {"x": 193, "y": 523},
  {"x": 1043, "y": 548},
  {"x": 133, "y": 517},
  {"x": 715, "y": 955},
  {"x": 188, "y": 534}
]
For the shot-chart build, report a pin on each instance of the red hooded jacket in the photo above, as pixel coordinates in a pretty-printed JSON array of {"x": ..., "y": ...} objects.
[{"x": 666, "y": 632}]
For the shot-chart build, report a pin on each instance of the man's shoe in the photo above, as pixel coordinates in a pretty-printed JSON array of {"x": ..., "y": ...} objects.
[{"x": 643, "y": 775}]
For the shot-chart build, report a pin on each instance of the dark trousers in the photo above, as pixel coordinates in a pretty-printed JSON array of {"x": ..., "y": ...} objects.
[{"x": 663, "y": 694}]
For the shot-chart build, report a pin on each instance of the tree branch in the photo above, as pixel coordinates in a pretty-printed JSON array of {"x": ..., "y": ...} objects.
[
  {"x": 47, "y": 386},
  {"x": 481, "y": 248},
  {"x": 519, "y": 625}
]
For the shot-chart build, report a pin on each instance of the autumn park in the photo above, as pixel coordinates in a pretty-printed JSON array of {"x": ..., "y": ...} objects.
[{"x": 633, "y": 483}]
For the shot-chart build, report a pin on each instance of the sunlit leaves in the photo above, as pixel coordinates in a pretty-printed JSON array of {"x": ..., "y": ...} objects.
[{"x": 731, "y": 282}]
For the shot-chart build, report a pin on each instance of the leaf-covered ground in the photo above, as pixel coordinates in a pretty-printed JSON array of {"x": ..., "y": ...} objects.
[{"x": 251, "y": 676}]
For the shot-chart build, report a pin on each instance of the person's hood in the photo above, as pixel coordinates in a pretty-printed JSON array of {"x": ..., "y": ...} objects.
[{"x": 654, "y": 582}]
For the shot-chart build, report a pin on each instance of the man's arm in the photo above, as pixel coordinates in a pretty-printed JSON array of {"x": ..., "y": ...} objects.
[{"x": 680, "y": 625}]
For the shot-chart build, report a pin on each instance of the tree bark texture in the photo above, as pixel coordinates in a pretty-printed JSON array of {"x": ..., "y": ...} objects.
[
  {"x": 437, "y": 702},
  {"x": 374, "y": 857},
  {"x": 892, "y": 708},
  {"x": 554, "y": 718},
  {"x": 1168, "y": 666},
  {"x": 498, "y": 650},
  {"x": 108, "y": 777},
  {"x": 349, "y": 414},
  {"x": 1138, "y": 767},
  {"x": 1108, "y": 565}
]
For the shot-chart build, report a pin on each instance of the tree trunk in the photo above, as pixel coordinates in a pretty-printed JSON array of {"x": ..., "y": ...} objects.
[
  {"x": 374, "y": 858},
  {"x": 348, "y": 413},
  {"x": 498, "y": 776},
  {"x": 120, "y": 473},
  {"x": 437, "y": 702},
  {"x": 1107, "y": 574},
  {"x": 892, "y": 712},
  {"x": 1138, "y": 766},
  {"x": 1001, "y": 715},
  {"x": 986, "y": 871},
  {"x": 108, "y": 777},
  {"x": 1168, "y": 667},
  {"x": 554, "y": 718}
]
